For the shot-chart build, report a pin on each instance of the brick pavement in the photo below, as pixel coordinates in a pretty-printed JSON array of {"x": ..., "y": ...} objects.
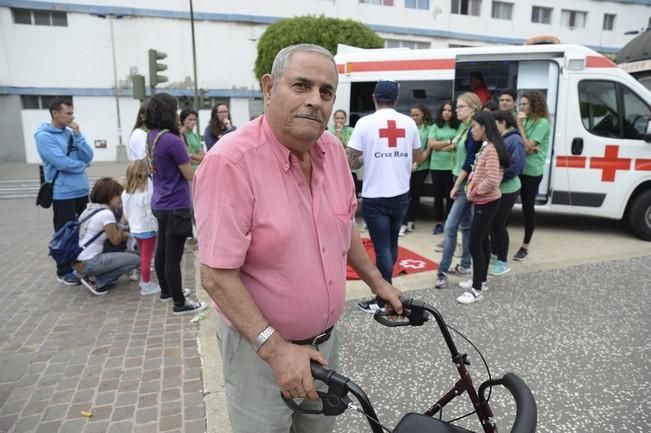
[{"x": 123, "y": 357}]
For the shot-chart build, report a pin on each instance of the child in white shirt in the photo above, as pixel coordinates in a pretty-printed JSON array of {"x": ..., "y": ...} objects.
[{"x": 136, "y": 205}]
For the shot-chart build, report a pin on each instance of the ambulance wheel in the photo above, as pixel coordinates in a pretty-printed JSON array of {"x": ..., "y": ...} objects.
[{"x": 639, "y": 216}]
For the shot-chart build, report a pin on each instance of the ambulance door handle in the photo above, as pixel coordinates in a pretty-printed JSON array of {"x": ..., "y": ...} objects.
[{"x": 577, "y": 146}]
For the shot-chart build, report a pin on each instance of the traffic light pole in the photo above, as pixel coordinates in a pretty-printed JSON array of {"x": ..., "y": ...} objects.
[
  {"x": 121, "y": 150},
  {"x": 194, "y": 67}
]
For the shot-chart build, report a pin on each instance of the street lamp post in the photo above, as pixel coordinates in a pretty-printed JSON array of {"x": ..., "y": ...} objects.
[{"x": 194, "y": 68}]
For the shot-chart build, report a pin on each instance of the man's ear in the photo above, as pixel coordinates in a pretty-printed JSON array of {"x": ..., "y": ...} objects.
[{"x": 267, "y": 84}]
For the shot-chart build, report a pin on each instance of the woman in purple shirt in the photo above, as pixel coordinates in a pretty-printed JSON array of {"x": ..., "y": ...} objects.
[{"x": 169, "y": 165}]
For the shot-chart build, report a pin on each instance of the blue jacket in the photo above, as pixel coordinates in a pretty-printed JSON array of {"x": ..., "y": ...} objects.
[
  {"x": 472, "y": 147},
  {"x": 515, "y": 147},
  {"x": 52, "y": 146}
]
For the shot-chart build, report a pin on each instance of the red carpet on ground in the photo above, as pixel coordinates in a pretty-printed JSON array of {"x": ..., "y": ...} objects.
[{"x": 408, "y": 262}]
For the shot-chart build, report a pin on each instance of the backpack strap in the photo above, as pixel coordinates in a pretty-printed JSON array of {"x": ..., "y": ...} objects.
[{"x": 151, "y": 149}]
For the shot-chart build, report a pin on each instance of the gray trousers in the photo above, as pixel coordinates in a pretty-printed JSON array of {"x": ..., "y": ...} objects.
[
  {"x": 252, "y": 395},
  {"x": 107, "y": 267}
]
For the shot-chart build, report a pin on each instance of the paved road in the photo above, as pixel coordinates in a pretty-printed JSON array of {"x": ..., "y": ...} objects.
[{"x": 572, "y": 321}]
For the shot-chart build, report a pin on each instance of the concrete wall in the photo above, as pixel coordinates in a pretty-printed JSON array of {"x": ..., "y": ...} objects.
[{"x": 11, "y": 139}]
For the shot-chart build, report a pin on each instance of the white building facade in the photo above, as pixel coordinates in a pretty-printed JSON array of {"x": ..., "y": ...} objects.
[{"x": 88, "y": 50}]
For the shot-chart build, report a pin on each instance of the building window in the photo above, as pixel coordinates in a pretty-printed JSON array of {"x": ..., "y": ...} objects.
[
  {"x": 573, "y": 19},
  {"x": 541, "y": 15},
  {"x": 399, "y": 43},
  {"x": 378, "y": 2},
  {"x": 609, "y": 21},
  {"x": 417, "y": 4},
  {"x": 40, "y": 102},
  {"x": 502, "y": 10},
  {"x": 40, "y": 18},
  {"x": 466, "y": 7}
]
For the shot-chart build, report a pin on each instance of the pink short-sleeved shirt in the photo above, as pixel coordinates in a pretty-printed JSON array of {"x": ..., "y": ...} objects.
[{"x": 255, "y": 212}]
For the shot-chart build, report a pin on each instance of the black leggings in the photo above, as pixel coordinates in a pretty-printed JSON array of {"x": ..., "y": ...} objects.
[
  {"x": 172, "y": 231},
  {"x": 442, "y": 183},
  {"x": 499, "y": 233},
  {"x": 528, "y": 195},
  {"x": 479, "y": 245},
  {"x": 416, "y": 186}
]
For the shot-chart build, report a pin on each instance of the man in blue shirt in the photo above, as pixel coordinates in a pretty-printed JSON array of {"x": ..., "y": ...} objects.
[{"x": 64, "y": 150}]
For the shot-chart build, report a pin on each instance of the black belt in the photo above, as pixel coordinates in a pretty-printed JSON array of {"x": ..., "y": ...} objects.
[{"x": 316, "y": 340}]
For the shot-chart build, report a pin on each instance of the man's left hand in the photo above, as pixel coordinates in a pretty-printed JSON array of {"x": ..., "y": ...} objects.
[{"x": 391, "y": 295}]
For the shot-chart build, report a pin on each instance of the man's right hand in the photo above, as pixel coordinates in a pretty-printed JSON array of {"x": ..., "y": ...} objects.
[
  {"x": 74, "y": 126},
  {"x": 291, "y": 367}
]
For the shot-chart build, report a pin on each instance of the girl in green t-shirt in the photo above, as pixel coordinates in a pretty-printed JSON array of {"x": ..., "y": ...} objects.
[
  {"x": 534, "y": 126},
  {"x": 188, "y": 118},
  {"x": 440, "y": 139},
  {"x": 423, "y": 118}
]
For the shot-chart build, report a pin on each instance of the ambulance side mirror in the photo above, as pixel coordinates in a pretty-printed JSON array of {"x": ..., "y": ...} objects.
[{"x": 647, "y": 135}]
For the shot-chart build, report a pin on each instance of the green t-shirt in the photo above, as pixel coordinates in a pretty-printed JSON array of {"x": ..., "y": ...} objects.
[
  {"x": 537, "y": 130},
  {"x": 193, "y": 144},
  {"x": 345, "y": 134},
  {"x": 423, "y": 130},
  {"x": 441, "y": 159},
  {"x": 459, "y": 142}
]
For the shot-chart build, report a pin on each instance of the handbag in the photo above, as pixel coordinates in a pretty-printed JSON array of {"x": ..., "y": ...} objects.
[{"x": 46, "y": 190}]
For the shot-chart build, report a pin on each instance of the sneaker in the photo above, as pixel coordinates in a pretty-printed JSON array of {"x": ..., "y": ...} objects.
[
  {"x": 133, "y": 275},
  {"x": 403, "y": 230},
  {"x": 371, "y": 306},
  {"x": 190, "y": 307},
  {"x": 149, "y": 288},
  {"x": 438, "y": 229},
  {"x": 88, "y": 283},
  {"x": 441, "y": 281},
  {"x": 493, "y": 259},
  {"x": 521, "y": 255},
  {"x": 68, "y": 279},
  {"x": 500, "y": 268},
  {"x": 439, "y": 247},
  {"x": 470, "y": 296},
  {"x": 411, "y": 226},
  {"x": 186, "y": 292},
  {"x": 467, "y": 285},
  {"x": 460, "y": 270}
]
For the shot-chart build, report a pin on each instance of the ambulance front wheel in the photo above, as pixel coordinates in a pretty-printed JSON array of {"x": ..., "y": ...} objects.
[{"x": 639, "y": 216}]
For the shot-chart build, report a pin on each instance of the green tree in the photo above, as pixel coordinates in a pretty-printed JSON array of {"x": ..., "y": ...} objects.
[{"x": 326, "y": 32}]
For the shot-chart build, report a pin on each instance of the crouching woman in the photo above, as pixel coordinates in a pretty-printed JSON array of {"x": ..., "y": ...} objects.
[{"x": 96, "y": 269}]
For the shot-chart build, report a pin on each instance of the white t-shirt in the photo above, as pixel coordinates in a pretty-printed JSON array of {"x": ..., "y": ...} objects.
[
  {"x": 94, "y": 226},
  {"x": 387, "y": 140},
  {"x": 137, "y": 145},
  {"x": 137, "y": 211}
]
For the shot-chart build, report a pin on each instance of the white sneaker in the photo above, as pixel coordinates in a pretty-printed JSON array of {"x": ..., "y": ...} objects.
[
  {"x": 467, "y": 285},
  {"x": 133, "y": 275},
  {"x": 403, "y": 230},
  {"x": 439, "y": 247},
  {"x": 149, "y": 288},
  {"x": 441, "y": 281},
  {"x": 470, "y": 296},
  {"x": 411, "y": 226}
]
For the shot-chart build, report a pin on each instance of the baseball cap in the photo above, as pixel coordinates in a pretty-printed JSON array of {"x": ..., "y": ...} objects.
[{"x": 386, "y": 91}]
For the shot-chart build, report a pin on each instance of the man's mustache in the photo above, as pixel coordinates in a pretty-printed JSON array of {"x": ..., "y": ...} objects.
[{"x": 311, "y": 116}]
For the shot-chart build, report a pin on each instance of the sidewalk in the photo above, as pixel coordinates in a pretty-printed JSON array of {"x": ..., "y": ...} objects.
[{"x": 65, "y": 353}]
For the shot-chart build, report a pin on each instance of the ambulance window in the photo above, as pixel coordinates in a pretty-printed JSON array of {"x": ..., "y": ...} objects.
[
  {"x": 636, "y": 115},
  {"x": 598, "y": 104}
]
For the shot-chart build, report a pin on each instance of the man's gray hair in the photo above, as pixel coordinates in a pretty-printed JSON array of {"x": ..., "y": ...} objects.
[{"x": 282, "y": 58}]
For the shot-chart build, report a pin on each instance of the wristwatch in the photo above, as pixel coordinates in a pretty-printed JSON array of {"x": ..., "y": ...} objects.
[{"x": 263, "y": 337}]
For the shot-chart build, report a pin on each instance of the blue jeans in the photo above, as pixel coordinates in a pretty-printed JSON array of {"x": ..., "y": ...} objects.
[
  {"x": 383, "y": 217},
  {"x": 107, "y": 267},
  {"x": 459, "y": 219}
]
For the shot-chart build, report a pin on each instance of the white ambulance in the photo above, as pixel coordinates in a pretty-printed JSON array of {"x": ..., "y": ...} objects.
[{"x": 600, "y": 152}]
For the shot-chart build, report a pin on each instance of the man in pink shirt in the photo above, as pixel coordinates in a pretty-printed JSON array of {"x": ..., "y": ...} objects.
[{"x": 274, "y": 205}]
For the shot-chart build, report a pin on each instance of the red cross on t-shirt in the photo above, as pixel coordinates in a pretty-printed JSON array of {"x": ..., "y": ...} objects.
[{"x": 392, "y": 133}]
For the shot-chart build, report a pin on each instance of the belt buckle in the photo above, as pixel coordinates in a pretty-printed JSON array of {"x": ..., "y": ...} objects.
[{"x": 318, "y": 339}]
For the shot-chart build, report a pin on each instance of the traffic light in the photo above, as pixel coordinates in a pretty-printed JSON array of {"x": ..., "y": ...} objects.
[
  {"x": 139, "y": 87},
  {"x": 155, "y": 67}
]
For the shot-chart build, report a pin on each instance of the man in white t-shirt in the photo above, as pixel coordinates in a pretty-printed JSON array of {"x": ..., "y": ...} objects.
[{"x": 386, "y": 143}]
